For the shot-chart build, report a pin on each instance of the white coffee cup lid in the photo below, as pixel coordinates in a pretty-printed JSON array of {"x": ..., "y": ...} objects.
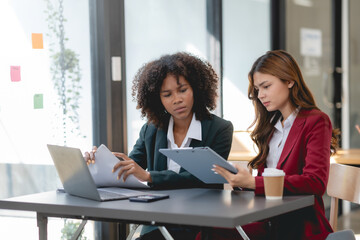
[{"x": 269, "y": 172}]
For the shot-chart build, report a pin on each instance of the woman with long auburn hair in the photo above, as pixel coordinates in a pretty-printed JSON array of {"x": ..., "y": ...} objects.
[
  {"x": 291, "y": 134},
  {"x": 281, "y": 65}
]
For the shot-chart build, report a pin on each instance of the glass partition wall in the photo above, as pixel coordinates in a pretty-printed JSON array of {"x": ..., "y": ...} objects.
[
  {"x": 309, "y": 38},
  {"x": 155, "y": 28},
  {"x": 45, "y": 97},
  {"x": 246, "y": 36},
  {"x": 354, "y": 73},
  {"x": 44, "y": 89}
]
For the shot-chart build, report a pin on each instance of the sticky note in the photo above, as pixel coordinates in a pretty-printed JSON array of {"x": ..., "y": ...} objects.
[
  {"x": 15, "y": 73},
  {"x": 37, "y": 40},
  {"x": 38, "y": 101}
]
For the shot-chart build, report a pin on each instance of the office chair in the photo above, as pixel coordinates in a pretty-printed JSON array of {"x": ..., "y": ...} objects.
[
  {"x": 347, "y": 234},
  {"x": 344, "y": 183}
]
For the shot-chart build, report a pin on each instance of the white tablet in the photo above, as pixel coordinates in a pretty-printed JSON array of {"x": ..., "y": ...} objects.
[{"x": 199, "y": 162}]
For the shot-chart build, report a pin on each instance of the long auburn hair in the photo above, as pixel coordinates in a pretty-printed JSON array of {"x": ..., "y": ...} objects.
[{"x": 283, "y": 66}]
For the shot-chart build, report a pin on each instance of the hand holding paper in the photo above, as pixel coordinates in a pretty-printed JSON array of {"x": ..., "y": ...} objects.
[
  {"x": 129, "y": 167},
  {"x": 102, "y": 174}
]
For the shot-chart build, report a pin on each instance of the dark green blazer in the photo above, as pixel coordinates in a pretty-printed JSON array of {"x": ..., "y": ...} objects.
[{"x": 216, "y": 134}]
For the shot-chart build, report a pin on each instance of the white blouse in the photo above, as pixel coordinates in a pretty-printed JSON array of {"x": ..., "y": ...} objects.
[
  {"x": 194, "y": 132},
  {"x": 278, "y": 139}
]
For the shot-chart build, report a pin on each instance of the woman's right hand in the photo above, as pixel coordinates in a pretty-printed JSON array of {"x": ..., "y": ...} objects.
[
  {"x": 90, "y": 156},
  {"x": 243, "y": 178}
]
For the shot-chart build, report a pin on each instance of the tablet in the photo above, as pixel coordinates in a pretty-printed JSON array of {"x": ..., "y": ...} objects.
[{"x": 199, "y": 162}]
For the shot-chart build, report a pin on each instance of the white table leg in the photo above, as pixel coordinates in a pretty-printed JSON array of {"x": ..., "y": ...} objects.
[
  {"x": 242, "y": 233},
  {"x": 79, "y": 230},
  {"x": 134, "y": 228},
  {"x": 165, "y": 233}
]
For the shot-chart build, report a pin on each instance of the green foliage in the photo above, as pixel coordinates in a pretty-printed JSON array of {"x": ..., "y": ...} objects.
[
  {"x": 65, "y": 67},
  {"x": 69, "y": 229}
]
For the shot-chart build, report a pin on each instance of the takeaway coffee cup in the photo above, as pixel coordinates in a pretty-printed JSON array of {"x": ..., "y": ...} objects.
[{"x": 274, "y": 183}]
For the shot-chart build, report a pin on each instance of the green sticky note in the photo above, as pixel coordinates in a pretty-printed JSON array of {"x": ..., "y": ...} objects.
[{"x": 38, "y": 101}]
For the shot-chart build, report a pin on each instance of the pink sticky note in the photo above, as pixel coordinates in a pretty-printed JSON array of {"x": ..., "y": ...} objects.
[{"x": 15, "y": 73}]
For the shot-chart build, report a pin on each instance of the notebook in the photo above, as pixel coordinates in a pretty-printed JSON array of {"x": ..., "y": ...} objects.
[
  {"x": 77, "y": 180},
  {"x": 199, "y": 162}
]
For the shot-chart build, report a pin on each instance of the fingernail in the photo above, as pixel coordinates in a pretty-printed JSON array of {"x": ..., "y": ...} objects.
[{"x": 215, "y": 172}]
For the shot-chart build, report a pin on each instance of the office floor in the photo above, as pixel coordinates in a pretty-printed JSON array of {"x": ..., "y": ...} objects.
[
  {"x": 22, "y": 225},
  {"x": 351, "y": 221},
  {"x": 27, "y": 230}
]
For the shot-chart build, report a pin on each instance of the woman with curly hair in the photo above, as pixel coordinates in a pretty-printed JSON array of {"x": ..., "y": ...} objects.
[
  {"x": 176, "y": 94},
  {"x": 291, "y": 134}
]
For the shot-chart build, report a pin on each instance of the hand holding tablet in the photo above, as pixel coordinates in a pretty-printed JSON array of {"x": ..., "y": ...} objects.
[{"x": 199, "y": 162}]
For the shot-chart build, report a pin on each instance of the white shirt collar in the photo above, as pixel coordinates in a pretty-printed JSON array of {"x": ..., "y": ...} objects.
[
  {"x": 288, "y": 122},
  {"x": 194, "y": 132}
]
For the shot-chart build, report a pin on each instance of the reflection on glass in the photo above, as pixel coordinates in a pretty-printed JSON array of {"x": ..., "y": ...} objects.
[
  {"x": 354, "y": 73},
  {"x": 65, "y": 73},
  {"x": 45, "y": 97},
  {"x": 43, "y": 49},
  {"x": 155, "y": 28},
  {"x": 246, "y": 36}
]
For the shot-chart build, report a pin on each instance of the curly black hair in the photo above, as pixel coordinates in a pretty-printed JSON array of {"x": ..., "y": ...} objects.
[{"x": 149, "y": 78}]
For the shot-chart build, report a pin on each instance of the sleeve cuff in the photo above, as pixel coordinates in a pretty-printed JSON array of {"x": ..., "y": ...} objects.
[{"x": 259, "y": 185}]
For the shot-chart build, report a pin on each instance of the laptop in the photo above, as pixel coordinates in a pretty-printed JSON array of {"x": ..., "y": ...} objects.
[{"x": 77, "y": 180}]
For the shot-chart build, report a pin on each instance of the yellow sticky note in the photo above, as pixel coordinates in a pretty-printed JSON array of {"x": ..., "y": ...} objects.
[{"x": 37, "y": 40}]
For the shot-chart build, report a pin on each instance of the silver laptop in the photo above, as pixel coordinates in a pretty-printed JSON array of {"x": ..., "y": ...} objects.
[{"x": 77, "y": 180}]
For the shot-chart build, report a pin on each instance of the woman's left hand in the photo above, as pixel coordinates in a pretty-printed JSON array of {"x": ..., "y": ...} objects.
[
  {"x": 242, "y": 178},
  {"x": 128, "y": 166}
]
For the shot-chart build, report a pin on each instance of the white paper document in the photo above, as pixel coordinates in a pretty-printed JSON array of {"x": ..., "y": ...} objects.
[{"x": 103, "y": 176}]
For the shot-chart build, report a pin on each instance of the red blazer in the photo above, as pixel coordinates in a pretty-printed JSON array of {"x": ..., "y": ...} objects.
[{"x": 305, "y": 160}]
